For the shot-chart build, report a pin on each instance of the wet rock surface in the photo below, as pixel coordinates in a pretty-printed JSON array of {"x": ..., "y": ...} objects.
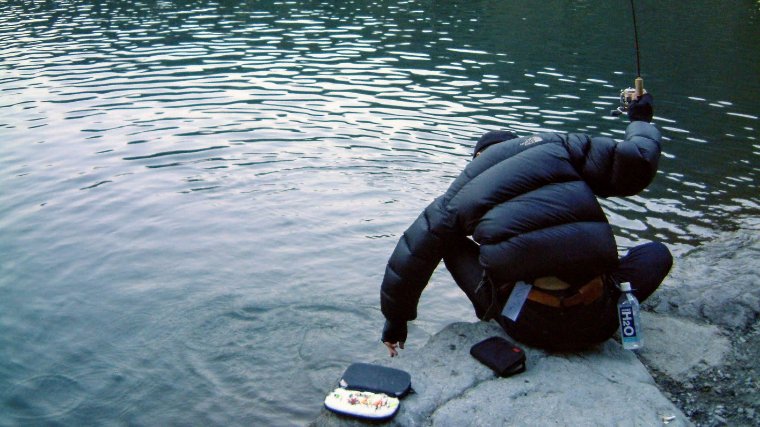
[
  {"x": 726, "y": 395},
  {"x": 603, "y": 386},
  {"x": 699, "y": 365},
  {"x": 716, "y": 285}
]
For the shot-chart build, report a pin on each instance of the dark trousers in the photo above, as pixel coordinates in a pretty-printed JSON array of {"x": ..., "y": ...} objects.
[{"x": 563, "y": 329}]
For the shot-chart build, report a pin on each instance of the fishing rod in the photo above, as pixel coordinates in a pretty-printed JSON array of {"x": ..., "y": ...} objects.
[{"x": 627, "y": 95}]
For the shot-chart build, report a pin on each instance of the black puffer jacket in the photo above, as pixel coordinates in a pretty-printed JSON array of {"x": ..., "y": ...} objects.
[{"x": 530, "y": 203}]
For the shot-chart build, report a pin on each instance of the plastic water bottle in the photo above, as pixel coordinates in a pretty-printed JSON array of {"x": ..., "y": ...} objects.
[{"x": 628, "y": 315}]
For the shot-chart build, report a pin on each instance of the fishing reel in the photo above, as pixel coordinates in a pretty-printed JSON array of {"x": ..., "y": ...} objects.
[{"x": 627, "y": 96}]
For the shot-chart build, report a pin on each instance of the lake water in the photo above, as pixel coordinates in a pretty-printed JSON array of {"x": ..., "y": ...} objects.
[{"x": 198, "y": 198}]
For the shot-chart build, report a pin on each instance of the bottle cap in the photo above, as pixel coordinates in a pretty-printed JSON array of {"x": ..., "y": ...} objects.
[{"x": 625, "y": 287}]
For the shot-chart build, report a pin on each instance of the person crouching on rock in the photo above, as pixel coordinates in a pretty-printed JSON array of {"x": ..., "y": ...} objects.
[{"x": 526, "y": 209}]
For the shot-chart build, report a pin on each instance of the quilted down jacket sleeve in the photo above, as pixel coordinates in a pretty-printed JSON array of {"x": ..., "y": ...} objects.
[
  {"x": 620, "y": 168},
  {"x": 417, "y": 254}
]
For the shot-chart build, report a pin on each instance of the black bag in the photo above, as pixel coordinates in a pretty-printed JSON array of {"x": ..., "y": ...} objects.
[
  {"x": 502, "y": 356},
  {"x": 377, "y": 379}
]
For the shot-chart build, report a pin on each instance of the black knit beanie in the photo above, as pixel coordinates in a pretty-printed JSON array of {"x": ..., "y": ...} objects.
[{"x": 492, "y": 137}]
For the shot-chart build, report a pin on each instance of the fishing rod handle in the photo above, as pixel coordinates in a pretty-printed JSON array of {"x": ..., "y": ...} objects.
[{"x": 639, "y": 85}]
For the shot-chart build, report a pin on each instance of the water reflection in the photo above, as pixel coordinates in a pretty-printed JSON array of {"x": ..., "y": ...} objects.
[{"x": 162, "y": 156}]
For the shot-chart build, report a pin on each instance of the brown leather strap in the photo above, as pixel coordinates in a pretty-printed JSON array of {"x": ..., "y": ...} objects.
[
  {"x": 544, "y": 298},
  {"x": 586, "y": 294}
]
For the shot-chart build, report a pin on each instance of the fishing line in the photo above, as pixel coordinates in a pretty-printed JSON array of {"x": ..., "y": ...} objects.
[
  {"x": 627, "y": 95},
  {"x": 636, "y": 40}
]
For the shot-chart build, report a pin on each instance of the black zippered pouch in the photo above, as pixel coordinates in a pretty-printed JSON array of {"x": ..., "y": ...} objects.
[
  {"x": 501, "y": 355},
  {"x": 377, "y": 379}
]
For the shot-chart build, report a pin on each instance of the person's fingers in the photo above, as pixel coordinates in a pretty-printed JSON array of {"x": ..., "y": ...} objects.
[{"x": 391, "y": 348}]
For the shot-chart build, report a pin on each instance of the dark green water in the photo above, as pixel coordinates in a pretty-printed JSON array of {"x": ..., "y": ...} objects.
[{"x": 197, "y": 199}]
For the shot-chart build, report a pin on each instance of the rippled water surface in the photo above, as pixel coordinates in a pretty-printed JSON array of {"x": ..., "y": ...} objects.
[{"x": 198, "y": 198}]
